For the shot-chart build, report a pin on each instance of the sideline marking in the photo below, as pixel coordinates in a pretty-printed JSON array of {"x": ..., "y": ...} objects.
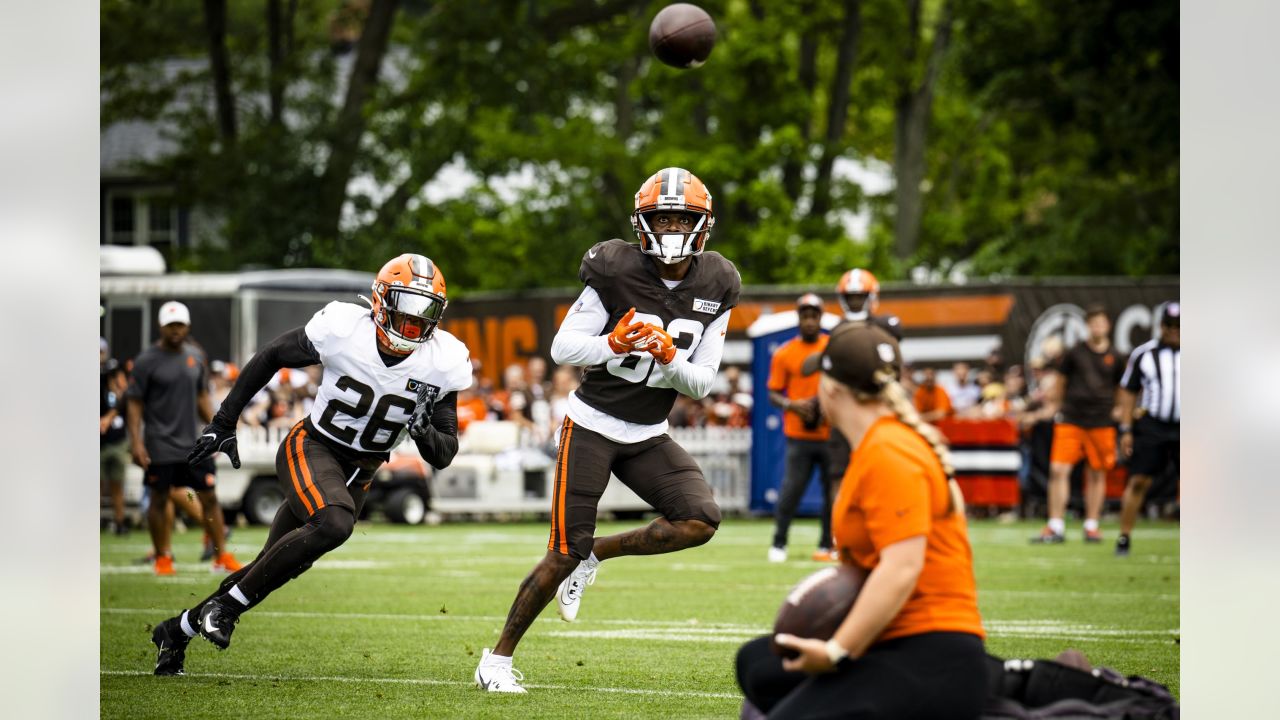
[{"x": 432, "y": 681}]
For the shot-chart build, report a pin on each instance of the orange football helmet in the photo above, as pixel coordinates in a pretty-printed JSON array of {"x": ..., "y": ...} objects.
[
  {"x": 673, "y": 189},
  {"x": 408, "y": 301},
  {"x": 859, "y": 293}
]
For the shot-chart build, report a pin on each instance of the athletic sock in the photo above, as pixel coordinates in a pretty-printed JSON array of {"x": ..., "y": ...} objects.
[
  {"x": 493, "y": 659},
  {"x": 186, "y": 625},
  {"x": 1058, "y": 526},
  {"x": 592, "y": 561},
  {"x": 239, "y": 595},
  {"x": 1090, "y": 525}
]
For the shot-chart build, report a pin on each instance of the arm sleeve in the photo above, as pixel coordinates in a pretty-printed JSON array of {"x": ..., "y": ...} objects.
[
  {"x": 440, "y": 443},
  {"x": 579, "y": 340},
  {"x": 695, "y": 376},
  {"x": 291, "y": 350},
  {"x": 895, "y": 497}
]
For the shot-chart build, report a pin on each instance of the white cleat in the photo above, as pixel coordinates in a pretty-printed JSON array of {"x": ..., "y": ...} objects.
[
  {"x": 569, "y": 595},
  {"x": 495, "y": 677},
  {"x": 777, "y": 554}
]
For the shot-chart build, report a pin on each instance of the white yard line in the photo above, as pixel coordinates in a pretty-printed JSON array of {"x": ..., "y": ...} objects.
[{"x": 433, "y": 681}]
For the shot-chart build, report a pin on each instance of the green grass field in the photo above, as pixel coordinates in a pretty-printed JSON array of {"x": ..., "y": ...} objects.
[{"x": 392, "y": 624}]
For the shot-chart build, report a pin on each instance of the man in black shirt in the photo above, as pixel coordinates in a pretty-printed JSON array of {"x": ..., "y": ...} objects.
[
  {"x": 1085, "y": 392},
  {"x": 169, "y": 387},
  {"x": 113, "y": 445}
]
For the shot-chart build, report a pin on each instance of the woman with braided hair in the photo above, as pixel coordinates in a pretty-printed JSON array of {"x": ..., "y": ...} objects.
[{"x": 912, "y": 644}]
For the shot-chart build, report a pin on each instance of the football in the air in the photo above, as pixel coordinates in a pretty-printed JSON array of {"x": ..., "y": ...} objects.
[
  {"x": 682, "y": 35},
  {"x": 817, "y": 605}
]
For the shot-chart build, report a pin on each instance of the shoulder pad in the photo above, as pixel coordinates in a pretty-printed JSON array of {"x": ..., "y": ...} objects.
[
  {"x": 605, "y": 260},
  {"x": 337, "y": 319},
  {"x": 453, "y": 358},
  {"x": 724, "y": 275}
]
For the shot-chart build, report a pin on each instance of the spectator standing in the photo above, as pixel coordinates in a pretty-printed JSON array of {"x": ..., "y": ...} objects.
[
  {"x": 806, "y": 430},
  {"x": 963, "y": 391},
  {"x": 169, "y": 387},
  {"x": 1149, "y": 434},
  {"x": 113, "y": 445},
  {"x": 931, "y": 399},
  {"x": 1085, "y": 395}
]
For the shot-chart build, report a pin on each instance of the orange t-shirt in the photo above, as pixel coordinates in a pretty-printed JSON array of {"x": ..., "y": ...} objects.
[
  {"x": 928, "y": 400},
  {"x": 785, "y": 377},
  {"x": 895, "y": 489},
  {"x": 471, "y": 410}
]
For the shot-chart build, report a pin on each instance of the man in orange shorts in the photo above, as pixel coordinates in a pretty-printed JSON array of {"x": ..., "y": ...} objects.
[{"x": 1089, "y": 374}]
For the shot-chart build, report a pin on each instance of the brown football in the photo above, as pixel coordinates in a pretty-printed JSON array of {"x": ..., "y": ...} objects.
[
  {"x": 682, "y": 35},
  {"x": 817, "y": 605}
]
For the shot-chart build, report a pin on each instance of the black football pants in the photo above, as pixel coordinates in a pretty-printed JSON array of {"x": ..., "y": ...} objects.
[{"x": 803, "y": 456}]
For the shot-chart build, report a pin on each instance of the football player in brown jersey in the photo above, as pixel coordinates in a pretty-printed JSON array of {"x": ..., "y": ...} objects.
[{"x": 650, "y": 324}]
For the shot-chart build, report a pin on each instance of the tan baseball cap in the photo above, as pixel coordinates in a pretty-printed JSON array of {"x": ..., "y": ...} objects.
[{"x": 855, "y": 352}]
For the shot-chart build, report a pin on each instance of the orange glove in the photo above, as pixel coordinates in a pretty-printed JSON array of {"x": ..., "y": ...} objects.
[
  {"x": 627, "y": 335},
  {"x": 661, "y": 346}
]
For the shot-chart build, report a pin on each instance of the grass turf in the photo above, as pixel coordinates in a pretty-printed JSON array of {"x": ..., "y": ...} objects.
[{"x": 392, "y": 623}]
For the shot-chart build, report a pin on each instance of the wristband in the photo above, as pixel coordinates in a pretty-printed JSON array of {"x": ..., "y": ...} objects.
[{"x": 836, "y": 652}]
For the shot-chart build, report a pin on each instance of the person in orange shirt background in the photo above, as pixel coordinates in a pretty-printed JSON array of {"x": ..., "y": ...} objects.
[
  {"x": 931, "y": 399},
  {"x": 802, "y": 424},
  {"x": 912, "y": 644}
]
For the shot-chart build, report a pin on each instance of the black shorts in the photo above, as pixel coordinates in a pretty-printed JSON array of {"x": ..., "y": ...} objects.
[
  {"x": 927, "y": 676},
  {"x": 658, "y": 470},
  {"x": 314, "y": 475},
  {"x": 1155, "y": 446},
  {"x": 199, "y": 477}
]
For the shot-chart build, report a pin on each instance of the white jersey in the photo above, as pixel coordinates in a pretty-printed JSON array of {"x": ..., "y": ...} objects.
[{"x": 362, "y": 403}]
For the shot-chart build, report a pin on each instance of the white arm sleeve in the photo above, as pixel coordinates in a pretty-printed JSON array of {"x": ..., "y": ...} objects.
[
  {"x": 695, "y": 376},
  {"x": 579, "y": 342}
]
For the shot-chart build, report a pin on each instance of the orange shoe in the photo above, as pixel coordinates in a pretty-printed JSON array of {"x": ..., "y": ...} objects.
[
  {"x": 822, "y": 555},
  {"x": 226, "y": 562},
  {"x": 1093, "y": 536},
  {"x": 164, "y": 565}
]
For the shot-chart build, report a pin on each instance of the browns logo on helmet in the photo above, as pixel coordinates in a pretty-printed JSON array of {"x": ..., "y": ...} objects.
[
  {"x": 673, "y": 189},
  {"x": 859, "y": 293},
  {"x": 408, "y": 301}
]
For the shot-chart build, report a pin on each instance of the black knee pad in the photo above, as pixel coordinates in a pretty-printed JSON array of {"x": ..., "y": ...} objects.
[{"x": 333, "y": 526}]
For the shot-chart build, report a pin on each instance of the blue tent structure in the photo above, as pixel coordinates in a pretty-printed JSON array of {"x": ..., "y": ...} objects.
[{"x": 768, "y": 446}]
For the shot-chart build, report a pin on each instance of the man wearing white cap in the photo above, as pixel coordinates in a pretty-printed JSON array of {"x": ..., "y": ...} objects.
[{"x": 169, "y": 387}]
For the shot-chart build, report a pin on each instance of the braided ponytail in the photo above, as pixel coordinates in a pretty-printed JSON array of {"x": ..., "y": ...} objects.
[{"x": 896, "y": 397}]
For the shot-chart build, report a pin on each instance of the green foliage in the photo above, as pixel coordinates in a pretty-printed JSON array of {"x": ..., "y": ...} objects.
[{"x": 1052, "y": 149}]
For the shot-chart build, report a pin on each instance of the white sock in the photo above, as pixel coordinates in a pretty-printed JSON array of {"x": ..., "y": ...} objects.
[
  {"x": 1090, "y": 525},
  {"x": 239, "y": 595},
  {"x": 1057, "y": 525},
  {"x": 592, "y": 560},
  {"x": 186, "y": 626},
  {"x": 493, "y": 659}
]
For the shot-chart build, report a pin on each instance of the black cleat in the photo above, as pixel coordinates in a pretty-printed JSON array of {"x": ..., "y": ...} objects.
[
  {"x": 171, "y": 643},
  {"x": 1122, "y": 546},
  {"x": 218, "y": 620}
]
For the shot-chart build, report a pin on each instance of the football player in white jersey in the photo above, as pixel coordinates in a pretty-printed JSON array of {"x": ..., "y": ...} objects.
[{"x": 388, "y": 371}]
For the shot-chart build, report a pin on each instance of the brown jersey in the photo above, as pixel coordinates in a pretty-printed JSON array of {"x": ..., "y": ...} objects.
[
  {"x": 624, "y": 277},
  {"x": 1091, "y": 379}
]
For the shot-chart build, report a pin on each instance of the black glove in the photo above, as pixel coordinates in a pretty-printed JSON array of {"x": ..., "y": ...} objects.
[
  {"x": 215, "y": 437},
  {"x": 421, "y": 420}
]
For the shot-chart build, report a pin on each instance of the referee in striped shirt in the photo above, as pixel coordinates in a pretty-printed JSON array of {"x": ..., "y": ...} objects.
[{"x": 1150, "y": 407}]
